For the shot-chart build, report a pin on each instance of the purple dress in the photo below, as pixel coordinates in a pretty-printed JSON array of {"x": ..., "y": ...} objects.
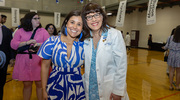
[{"x": 27, "y": 69}]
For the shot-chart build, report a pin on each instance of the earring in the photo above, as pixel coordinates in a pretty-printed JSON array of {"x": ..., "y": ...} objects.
[
  {"x": 65, "y": 31},
  {"x": 81, "y": 35}
]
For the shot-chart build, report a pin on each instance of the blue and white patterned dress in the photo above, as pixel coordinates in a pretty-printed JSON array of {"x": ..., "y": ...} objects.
[{"x": 65, "y": 81}]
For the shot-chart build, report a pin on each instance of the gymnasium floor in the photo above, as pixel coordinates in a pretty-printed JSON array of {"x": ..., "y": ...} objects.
[{"x": 146, "y": 78}]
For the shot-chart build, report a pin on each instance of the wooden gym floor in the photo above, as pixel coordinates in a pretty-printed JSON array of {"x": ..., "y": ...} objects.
[{"x": 146, "y": 78}]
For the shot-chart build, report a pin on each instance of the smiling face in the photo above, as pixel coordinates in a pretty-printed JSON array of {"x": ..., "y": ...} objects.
[
  {"x": 94, "y": 21},
  {"x": 74, "y": 26},
  {"x": 35, "y": 21}
]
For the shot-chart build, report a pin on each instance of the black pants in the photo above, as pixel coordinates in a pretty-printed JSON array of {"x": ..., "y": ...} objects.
[
  {"x": 128, "y": 47},
  {"x": 3, "y": 73}
]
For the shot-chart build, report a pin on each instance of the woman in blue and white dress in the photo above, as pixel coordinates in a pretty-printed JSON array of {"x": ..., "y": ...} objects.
[{"x": 67, "y": 55}]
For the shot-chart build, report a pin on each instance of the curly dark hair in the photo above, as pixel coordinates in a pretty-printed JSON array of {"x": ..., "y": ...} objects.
[
  {"x": 55, "y": 30},
  {"x": 26, "y": 23}
]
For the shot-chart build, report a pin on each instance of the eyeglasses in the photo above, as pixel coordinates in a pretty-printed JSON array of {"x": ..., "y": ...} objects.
[
  {"x": 90, "y": 17},
  {"x": 37, "y": 18},
  {"x": 50, "y": 28}
]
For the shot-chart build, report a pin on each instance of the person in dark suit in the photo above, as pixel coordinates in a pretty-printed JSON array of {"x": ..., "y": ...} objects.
[{"x": 5, "y": 39}]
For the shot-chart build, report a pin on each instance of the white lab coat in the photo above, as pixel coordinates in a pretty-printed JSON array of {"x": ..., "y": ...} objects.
[{"x": 111, "y": 65}]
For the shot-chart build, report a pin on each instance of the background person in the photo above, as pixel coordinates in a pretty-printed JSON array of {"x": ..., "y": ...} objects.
[
  {"x": 28, "y": 65},
  {"x": 52, "y": 32},
  {"x": 51, "y": 29},
  {"x": 5, "y": 39},
  {"x": 128, "y": 41},
  {"x": 167, "y": 51},
  {"x": 105, "y": 57},
  {"x": 174, "y": 58},
  {"x": 3, "y": 19},
  {"x": 149, "y": 41}
]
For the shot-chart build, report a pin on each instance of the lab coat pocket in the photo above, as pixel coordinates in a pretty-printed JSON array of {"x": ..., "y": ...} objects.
[
  {"x": 108, "y": 43},
  {"x": 108, "y": 46},
  {"x": 107, "y": 86}
]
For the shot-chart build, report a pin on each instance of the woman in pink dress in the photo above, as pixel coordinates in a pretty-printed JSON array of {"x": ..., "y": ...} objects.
[{"x": 28, "y": 65}]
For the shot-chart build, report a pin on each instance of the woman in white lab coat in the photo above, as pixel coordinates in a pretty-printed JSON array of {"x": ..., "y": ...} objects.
[{"x": 105, "y": 57}]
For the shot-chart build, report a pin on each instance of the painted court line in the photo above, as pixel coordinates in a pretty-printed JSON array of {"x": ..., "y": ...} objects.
[{"x": 168, "y": 96}]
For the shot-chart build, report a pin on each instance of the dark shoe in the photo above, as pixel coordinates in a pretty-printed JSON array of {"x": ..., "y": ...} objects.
[
  {"x": 178, "y": 88},
  {"x": 167, "y": 74},
  {"x": 171, "y": 88}
]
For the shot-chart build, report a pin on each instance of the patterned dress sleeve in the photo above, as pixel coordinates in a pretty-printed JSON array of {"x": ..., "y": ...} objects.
[{"x": 46, "y": 48}]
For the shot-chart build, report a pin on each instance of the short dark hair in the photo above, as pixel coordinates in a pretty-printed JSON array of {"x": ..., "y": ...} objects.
[
  {"x": 73, "y": 13},
  {"x": 26, "y": 23},
  {"x": 55, "y": 30},
  {"x": 3, "y": 16},
  {"x": 94, "y": 8}
]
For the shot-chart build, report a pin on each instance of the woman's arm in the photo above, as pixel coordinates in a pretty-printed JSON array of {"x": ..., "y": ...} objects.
[
  {"x": 46, "y": 63},
  {"x": 167, "y": 44},
  {"x": 16, "y": 41},
  {"x": 120, "y": 61},
  {"x": 44, "y": 76},
  {"x": 32, "y": 41}
]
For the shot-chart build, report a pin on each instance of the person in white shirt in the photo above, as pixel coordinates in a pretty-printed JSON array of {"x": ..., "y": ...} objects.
[{"x": 128, "y": 41}]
